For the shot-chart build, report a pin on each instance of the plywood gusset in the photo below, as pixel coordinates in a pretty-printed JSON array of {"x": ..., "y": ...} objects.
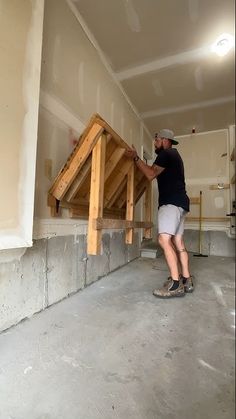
[{"x": 100, "y": 183}]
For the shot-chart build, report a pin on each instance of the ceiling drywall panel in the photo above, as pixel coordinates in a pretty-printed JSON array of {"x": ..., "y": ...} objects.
[
  {"x": 201, "y": 119},
  {"x": 136, "y": 31},
  {"x": 183, "y": 84}
]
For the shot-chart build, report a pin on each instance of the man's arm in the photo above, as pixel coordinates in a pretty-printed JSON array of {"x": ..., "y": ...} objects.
[{"x": 151, "y": 172}]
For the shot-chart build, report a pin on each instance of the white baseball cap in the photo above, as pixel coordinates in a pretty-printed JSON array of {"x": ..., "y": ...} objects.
[{"x": 166, "y": 133}]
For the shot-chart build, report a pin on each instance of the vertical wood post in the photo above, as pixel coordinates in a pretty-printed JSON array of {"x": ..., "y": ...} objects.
[
  {"x": 96, "y": 195},
  {"x": 148, "y": 210},
  {"x": 130, "y": 204}
]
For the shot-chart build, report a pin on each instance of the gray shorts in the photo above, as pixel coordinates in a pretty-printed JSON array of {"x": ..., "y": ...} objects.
[{"x": 170, "y": 220}]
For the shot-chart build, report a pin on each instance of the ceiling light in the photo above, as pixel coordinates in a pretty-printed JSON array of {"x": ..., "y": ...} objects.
[{"x": 223, "y": 44}]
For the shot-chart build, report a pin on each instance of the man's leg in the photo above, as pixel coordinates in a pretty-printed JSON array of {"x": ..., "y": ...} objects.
[
  {"x": 182, "y": 254},
  {"x": 184, "y": 261},
  {"x": 168, "y": 221},
  {"x": 170, "y": 255}
]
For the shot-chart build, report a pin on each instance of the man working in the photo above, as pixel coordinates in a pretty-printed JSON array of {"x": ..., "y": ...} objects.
[{"x": 168, "y": 168}]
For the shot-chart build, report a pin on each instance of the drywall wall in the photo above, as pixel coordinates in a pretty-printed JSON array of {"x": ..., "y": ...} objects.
[
  {"x": 206, "y": 158},
  {"x": 20, "y": 46}
]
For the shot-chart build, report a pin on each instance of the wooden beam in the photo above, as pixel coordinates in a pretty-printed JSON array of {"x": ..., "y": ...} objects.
[
  {"x": 111, "y": 188},
  {"x": 109, "y": 130},
  {"x": 194, "y": 200},
  {"x": 117, "y": 194},
  {"x": 140, "y": 189},
  {"x": 75, "y": 162},
  {"x": 96, "y": 195},
  {"x": 130, "y": 204},
  {"x": 217, "y": 219},
  {"x": 148, "y": 210},
  {"x": 219, "y": 186},
  {"x": 121, "y": 201},
  {"x": 82, "y": 212},
  {"x": 113, "y": 161},
  {"x": 80, "y": 178},
  {"x": 102, "y": 223},
  {"x": 55, "y": 206}
]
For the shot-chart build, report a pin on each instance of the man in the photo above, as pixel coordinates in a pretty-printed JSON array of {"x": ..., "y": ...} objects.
[{"x": 168, "y": 168}]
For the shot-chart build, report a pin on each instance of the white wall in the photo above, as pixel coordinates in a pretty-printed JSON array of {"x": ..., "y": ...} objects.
[
  {"x": 20, "y": 47},
  {"x": 206, "y": 158}
]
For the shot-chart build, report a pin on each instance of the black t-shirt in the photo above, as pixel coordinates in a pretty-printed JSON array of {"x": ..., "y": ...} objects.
[{"x": 171, "y": 182}]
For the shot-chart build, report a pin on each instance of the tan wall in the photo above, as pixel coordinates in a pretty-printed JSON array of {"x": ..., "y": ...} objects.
[
  {"x": 206, "y": 158},
  {"x": 20, "y": 49}
]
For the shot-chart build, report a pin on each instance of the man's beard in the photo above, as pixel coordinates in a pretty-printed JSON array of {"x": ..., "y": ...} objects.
[{"x": 157, "y": 150}]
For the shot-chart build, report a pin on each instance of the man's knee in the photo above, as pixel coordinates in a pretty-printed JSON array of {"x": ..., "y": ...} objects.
[{"x": 164, "y": 240}]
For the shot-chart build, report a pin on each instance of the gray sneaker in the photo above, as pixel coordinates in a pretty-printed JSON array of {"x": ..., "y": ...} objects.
[
  {"x": 165, "y": 291},
  {"x": 188, "y": 284}
]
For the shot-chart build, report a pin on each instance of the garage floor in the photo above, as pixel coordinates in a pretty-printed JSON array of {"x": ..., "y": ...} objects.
[{"x": 115, "y": 351}]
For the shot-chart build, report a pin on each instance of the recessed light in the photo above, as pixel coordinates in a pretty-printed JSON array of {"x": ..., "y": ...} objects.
[{"x": 223, "y": 44}]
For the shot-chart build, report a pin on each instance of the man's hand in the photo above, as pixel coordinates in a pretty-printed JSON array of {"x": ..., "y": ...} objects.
[{"x": 131, "y": 153}]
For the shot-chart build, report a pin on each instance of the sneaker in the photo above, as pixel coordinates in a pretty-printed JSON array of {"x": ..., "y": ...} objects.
[
  {"x": 188, "y": 284},
  {"x": 165, "y": 292}
]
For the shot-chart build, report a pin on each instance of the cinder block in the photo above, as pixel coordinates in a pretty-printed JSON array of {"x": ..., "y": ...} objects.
[
  {"x": 62, "y": 268},
  {"x": 98, "y": 266},
  {"x": 191, "y": 239},
  {"x": 22, "y": 285},
  {"x": 118, "y": 250},
  {"x": 221, "y": 244}
]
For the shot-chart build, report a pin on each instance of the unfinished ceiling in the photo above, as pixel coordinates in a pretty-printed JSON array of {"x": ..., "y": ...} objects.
[{"x": 160, "y": 51}]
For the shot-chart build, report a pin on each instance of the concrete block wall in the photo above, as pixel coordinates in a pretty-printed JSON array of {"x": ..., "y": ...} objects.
[
  {"x": 55, "y": 268},
  {"x": 213, "y": 243}
]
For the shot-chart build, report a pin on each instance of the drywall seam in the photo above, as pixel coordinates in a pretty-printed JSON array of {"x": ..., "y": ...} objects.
[
  {"x": 183, "y": 108},
  {"x": 206, "y": 181},
  {"x": 207, "y": 226},
  {"x": 172, "y": 60},
  {"x": 104, "y": 61},
  {"x": 62, "y": 112},
  {"x": 224, "y": 130}
]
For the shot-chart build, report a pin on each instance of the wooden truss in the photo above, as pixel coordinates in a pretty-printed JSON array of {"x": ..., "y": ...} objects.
[{"x": 100, "y": 183}]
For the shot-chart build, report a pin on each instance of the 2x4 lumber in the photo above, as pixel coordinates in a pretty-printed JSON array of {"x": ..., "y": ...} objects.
[
  {"x": 220, "y": 187},
  {"x": 216, "y": 219},
  {"x": 141, "y": 187},
  {"x": 121, "y": 201},
  {"x": 117, "y": 194},
  {"x": 109, "y": 130},
  {"x": 194, "y": 200},
  {"x": 55, "y": 206},
  {"x": 80, "y": 141},
  {"x": 148, "y": 210},
  {"x": 130, "y": 204},
  {"x": 75, "y": 163},
  {"x": 96, "y": 195},
  {"x": 102, "y": 223},
  {"x": 113, "y": 161},
  {"x": 80, "y": 178},
  {"x": 83, "y": 212},
  {"x": 111, "y": 188}
]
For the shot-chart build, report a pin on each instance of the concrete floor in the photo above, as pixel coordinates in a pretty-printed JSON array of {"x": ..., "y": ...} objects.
[{"x": 115, "y": 351}]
